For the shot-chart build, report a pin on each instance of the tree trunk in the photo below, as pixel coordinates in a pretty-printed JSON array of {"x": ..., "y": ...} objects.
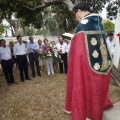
[
  {"x": 69, "y": 4},
  {"x": 24, "y": 31},
  {"x": 12, "y": 31}
]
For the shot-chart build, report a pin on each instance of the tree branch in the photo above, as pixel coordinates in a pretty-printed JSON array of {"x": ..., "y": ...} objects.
[{"x": 51, "y": 2}]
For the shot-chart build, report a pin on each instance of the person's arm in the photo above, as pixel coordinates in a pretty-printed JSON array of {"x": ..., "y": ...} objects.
[
  {"x": 10, "y": 51},
  {"x": 36, "y": 47},
  {"x": 66, "y": 48},
  {"x": 57, "y": 47},
  {"x": 28, "y": 48}
]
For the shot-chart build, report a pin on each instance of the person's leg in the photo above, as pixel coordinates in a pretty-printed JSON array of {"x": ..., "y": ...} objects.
[
  {"x": 40, "y": 64},
  {"x": 48, "y": 66},
  {"x": 51, "y": 65},
  {"x": 57, "y": 66},
  {"x": 10, "y": 71},
  {"x": 31, "y": 58},
  {"x": 65, "y": 62},
  {"x": 37, "y": 64},
  {"x": 20, "y": 65},
  {"x": 43, "y": 64},
  {"x": 61, "y": 67},
  {"x": 25, "y": 64},
  {"x": 61, "y": 64},
  {"x": 5, "y": 70}
]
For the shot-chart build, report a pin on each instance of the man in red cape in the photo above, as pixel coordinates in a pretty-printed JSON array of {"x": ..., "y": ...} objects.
[{"x": 89, "y": 67}]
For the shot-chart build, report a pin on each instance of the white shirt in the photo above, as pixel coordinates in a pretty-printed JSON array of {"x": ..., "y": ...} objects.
[
  {"x": 19, "y": 49},
  {"x": 111, "y": 46},
  {"x": 5, "y": 53},
  {"x": 63, "y": 47}
]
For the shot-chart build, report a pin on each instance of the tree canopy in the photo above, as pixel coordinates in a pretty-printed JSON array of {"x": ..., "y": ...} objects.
[
  {"x": 51, "y": 13},
  {"x": 112, "y": 9}
]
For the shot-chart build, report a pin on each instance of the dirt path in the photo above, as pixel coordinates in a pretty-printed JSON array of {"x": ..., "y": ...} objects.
[{"x": 38, "y": 99}]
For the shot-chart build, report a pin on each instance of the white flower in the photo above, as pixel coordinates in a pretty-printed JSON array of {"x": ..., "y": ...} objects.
[
  {"x": 56, "y": 55},
  {"x": 84, "y": 21},
  {"x": 49, "y": 54}
]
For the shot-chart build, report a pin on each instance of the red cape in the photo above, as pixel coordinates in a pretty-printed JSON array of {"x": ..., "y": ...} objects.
[{"x": 86, "y": 91}]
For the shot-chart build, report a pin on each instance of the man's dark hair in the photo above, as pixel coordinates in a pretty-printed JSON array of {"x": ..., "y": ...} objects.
[
  {"x": 60, "y": 37},
  {"x": 82, "y": 5},
  {"x": 18, "y": 37},
  {"x": 110, "y": 34},
  {"x": 2, "y": 40},
  {"x": 45, "y": 39}
]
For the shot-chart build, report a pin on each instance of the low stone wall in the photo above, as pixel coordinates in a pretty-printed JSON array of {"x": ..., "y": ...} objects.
[{"x": 36, "y": 38}]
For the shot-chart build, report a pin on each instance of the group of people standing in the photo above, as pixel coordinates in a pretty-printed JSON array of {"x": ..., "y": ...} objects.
[
  {"x": 53, "y": 55},
  {"x": 41, "y": 54}
]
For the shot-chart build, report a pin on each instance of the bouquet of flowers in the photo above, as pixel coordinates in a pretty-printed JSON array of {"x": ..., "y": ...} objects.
[
  {"x": 46, "y": 52},
  {"x": 56, "y": 54}
]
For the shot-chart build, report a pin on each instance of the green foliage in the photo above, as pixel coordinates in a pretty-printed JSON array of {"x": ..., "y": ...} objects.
[
  {"x": 56, "y": 18},
  {"x": 96, "y": 5},
  {"x": 108, "y": 25},
  {"x": 1, "y": 28},
  {"x": 112, "y": 9},
  {"x": 64, "y": 19}
]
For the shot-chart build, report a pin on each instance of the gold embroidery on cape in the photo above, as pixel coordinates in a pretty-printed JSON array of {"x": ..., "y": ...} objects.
[
  {"x": 95, "y": 54},
  {"x": 105, "y": 63},
  {"x": 109, "y": 62},
  {"x": 96, "y": 66},
  {"x": 93, "y": 41},
  {"x": 87, "y": 49}
]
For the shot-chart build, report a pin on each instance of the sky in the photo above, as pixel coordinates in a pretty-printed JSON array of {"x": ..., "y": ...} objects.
[{"x": 104, "y": 13}]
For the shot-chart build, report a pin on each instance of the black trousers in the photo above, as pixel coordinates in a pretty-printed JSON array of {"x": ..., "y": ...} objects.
[
  {"x": 7, "y": 67},
  {"x": 23, "y": 66},
  {"x": 64, "y": 58},
  {"x": 33, "y": 57}
]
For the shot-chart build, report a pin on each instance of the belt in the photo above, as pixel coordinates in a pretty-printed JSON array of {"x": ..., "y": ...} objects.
[
  {"x": 32, "y": 53},
  {"x": 6, "y": 60},
  {"x": 21, "y": 55},
  {"x": 63, "y": 53}
]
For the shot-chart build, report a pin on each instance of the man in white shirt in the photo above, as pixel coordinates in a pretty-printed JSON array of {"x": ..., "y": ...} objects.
[
  {"x": 63, "y": 49},
  {"x": 6, "y": 61},
  {"x": 111, "y": 43},
  {"x": 19, "y": 51}
]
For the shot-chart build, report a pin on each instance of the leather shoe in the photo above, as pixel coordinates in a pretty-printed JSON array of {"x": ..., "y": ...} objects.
[
  {"x": 22, "y": 81},
  {"x": 40, "y": 75},
  {"x": 33, "y": 76},
  {"x": 27, "y": 79}
]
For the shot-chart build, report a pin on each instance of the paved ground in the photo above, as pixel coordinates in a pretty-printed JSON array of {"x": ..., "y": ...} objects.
[{"x": 113, "y": 113}]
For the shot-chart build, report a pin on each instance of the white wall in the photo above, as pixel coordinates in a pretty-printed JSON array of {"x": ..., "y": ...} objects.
[{"x": 36, "y": 38}]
